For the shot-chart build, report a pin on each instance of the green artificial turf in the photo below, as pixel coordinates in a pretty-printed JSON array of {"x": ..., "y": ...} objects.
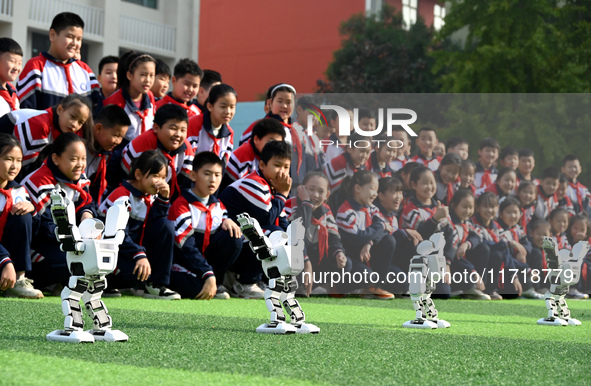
[{"x": 360, "y": 342}]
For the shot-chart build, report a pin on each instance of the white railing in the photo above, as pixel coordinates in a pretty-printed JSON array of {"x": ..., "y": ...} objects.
[
  {"x": 6, "y": 7},
  {"x": 147, "y": 33},
  {"x": 43, "y": 11}
]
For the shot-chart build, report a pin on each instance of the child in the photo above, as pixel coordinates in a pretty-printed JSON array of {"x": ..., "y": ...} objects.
[
  {"x": 509, "y": 157},
  {"x": 211, "y": 130},
  {"x": 146, "y": 253},
  {"x": 35, "y": 129},
  {"x": 536, "y": 256},
  {"x": 338, "y": 142},
  {"x": 169, "y": 137},
  {"x": 64, "y": 167},
  {"x": 439, "y": 149},
  {"x": 51, "y": 76},
  {"x": 185, "y": 85},
  {"x": 486, "y": 173},
  {"x": 207, "y": 242},
  {"x": 107, "y": 76},
  {"x": 210, "y": 78},
  {"x": 404, "y": 175},
  {"x": 558, "y": 220},
  {"x": 109, "y": 130},
  {"x": 401, "y": 157},
  {"x": 262, "y": 194},
  {"x": 578, "y": 230},
  {"x": 459, "y": 146},
  {"x": 467, "y": 173},
  {"x": 426, "y": 141},
  {"x": 134, "y": 95},
  {"x": 381, "y": 157},
  {"x": 16, "y": 224},
  {"x": 366, "y": 119},
  {"x": 564, "y": 200},
  {"x": 11, "y": 64},
  {"x": 245, "y": 159},
  {"x": 161, "y": 80},
  {"x": 526, "y": 165},
  {"x": 446, "y": 176},
  {"x": 547, "y": 200},
  {"x": 364, "y": 232},
  {"x": 577, "y": 192},
  {"x": 527, "y": 194},
  {"x": 503, "y": 186},
  {"x": 313, "y": 153}
]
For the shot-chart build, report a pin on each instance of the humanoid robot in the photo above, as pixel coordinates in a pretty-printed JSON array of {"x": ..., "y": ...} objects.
[
  {"x": 91, "y": 253},
  {"x": 282, "y": 258},
  {"x": 565, "y": 271},
  {"x": 426, "y": 269}
]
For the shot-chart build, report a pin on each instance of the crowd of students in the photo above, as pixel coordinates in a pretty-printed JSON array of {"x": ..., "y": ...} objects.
[{"x": 365, "y": 204}]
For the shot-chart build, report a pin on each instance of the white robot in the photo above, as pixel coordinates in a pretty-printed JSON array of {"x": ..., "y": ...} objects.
[
  {"x": 282, "y": 258},
  {"x": 565, "y": 271},
  {"x": 426, "y": 269},
  {"x": 91, "y": 253}
]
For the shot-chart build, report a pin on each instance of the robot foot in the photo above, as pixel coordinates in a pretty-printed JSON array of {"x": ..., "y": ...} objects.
[
  {"x": 280, "y": 328},
  {"x": 553, "y": 322},
  {"x": 573, "y": 322},
  {"x": 441, "y": 323},
  {"x": 108, "y": 335},
  {"x": 306, "y": 328},
  {"x": 70, "y": 336},
  {"x": 420, "y": 323}
]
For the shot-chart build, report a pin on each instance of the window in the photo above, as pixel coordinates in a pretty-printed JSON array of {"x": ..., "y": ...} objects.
[
  {"x": 145, "y": 3},
  {"x": 409, "y": 12},
  {"x": 438, "y": 16},
  {"x": 40, "y": 43},
  {"x": 373, "y": 7}
]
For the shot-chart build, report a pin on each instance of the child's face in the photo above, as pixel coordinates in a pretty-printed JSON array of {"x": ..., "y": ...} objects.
[
  {"x": 108, "y": 78},
  {"x": 402, "y": 137},
  {"x": 538, "y": 234},
  {"x": 487, "y": 212},
  {"x": 186, "y": 87},
  {"x": 559, "y": 223},
  {"x": 359, "y": 156},
  {"x": 108, "y": 138},
  {"x": 527, "y": 195},
  {"x": 203, "y": 93},
  {"x": 334, "y": 123},
  {"x": 449, "y": 173},
  {"x": 465, "y": 208},
  {"x": 365, "y": 194},
  {"x": 67, "y": 43},
  {"x": 439, "y": 149},
  {"x": 73, "y": 118},
  {"x": 488, "y": 155},
  {"x": 572, "y": 169},
  {"x": 549, "y": 186},
  {"x": 10, "y": 164},
  {"x": 172, "y": 134},
  {"x": 317, "y": 188},
  {"x": 426, "y": 142},
  {"x": 466, "y": 176},
  {"x": 72, "y": 162},
  {"x": 142, "y": 79},
  {"x": 148, "y": 183},
  {"x": 391, "y": 199},
  {"x": 461, "y": 149},
  {"x": 274, "y": 167},
  {"x": 207, "y": 179},
  {"x": 260, "y": 143},
  {"x": 10, "y": 66},
  {"x": 510, "y": 161},
  {"x": 223, "y": 110},
  {"x": 526, "y": 164},
  {"x": 507, "y": 182},
  {"x": 160, "y": 86},
  {"x": 386, "y": 153},
  {"x": 282, "y": 104},
  {"x": 425, "y": 187},
  {"x": 367, "y": 124},
  {"x": 578, "y": 231},
  {"x": 561, "y": 189},
  {"x": 511, "y": 215}
]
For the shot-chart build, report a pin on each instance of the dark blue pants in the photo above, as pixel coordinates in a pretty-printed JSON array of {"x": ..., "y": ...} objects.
[
  {"x": 16, "y": 240},
  {"x": 187, "y": 284},
  {"x": 222, "y": 252}
]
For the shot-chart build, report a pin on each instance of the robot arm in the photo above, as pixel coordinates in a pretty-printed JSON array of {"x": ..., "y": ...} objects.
[
  {"x": 64, "y": 216},
  {"x": 252, "y": 231},
  {"x": 116, "y": 221}
]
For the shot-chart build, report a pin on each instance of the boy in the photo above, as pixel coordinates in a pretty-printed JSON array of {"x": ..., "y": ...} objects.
[
  {"x": 564, "y": 201},
  {"x": 207, "y": 242},
  {"x": 547, "y": 199},
  {"x": 109, "y": 130},
  {"x": 245, "y": 159},
  {"x": 426, "y": 141},
  {"x": 536, "y": 259},
  {"x": 367, "y": 119},
  {"x": 262, "y": 194},
  {"x": 169, "y": 136},
  {"x": 335, "y": 146},
  {"x": 185, "y": 84},
  {"x": 11, "y": 64},
  {"x": 526, "y": 165},
  {"x": 509, "y": 157},
  {"x": 354, "y": 158},
  {"x": 161, "y": 80},
  {"x": 210, "y": 78},
  {"x": 486, "y": 172},
  {"x": 51, "y": 76},
  {"x": 401, "y": 157},
  {"x": 459, "y": 146},
  {"x": 107, "y": 76},
  {"x": 577, "y": 192}
]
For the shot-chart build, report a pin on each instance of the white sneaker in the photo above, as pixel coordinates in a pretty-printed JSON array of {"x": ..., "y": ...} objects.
[
  {"x": 532, "y": 294},
  {"x": 319, "y": 291},
  {"x": 221, "y": 293},
  {"x": 475, "y": 294},
  {"x": 23, "y": 288},
  {"x": 160, "y": 292},
  {"x": 248, "y": 291}
]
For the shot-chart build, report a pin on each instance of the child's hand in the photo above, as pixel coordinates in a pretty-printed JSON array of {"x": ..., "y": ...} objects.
[
  {"x": 414, "y": 236},
  {"x": 308, "y": 278},
  {"x": 282, "y": 183},
  {"x": 364, "y": 254},
  {"x": 162, "y": 188},
  {"x": 461, "y": 252},
  {"x": 517, "y": 286},
  {"x": 441, "y": 212},
  {"x": 22, "y": 208},
  {"x": 85, "y": 215},
  {"x": 341, "y": 260},
  {"x": 520, "y": 251},
  {"x": 303, "y": 194},
  {"x": 232, "y": 228},
  {"x": 143, "y": 269},
  {"x": 8, "y": 277},
  {"x": 209, "y": 289}
]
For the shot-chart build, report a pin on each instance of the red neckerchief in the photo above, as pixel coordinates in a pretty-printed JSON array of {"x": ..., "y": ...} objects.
[
  {"x": 450, "y": 193},
  {"x": 486, "y": 178},
  {"x": 148, "y": 202},
  {"x": 173, "y": 179},
  {"x": 575, "y": 186},
  {"x": 85, "y": 198},
  {"x": 101, "y": 173},
  {"x": 142, "y": 116},
  {"x": 322, "y": 238},
  {"x": 7, "y": 208},
  {"x": 11, "y": 99},
  {"x": 208, "y": 221},
  {"x": 66, "y": 67}
]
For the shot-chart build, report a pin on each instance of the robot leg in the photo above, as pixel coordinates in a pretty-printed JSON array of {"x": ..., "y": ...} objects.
[
  {"x": 97, "y": 310},
  {"x": 277, "y": 324},
  {"x": 297, "y": 316}
]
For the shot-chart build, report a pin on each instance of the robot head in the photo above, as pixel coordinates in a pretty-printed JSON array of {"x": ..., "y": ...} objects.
[{"x": 91, "y": 228}]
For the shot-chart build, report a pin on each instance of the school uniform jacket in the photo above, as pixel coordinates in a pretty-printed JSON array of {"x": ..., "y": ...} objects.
[
  {"x": 338, "y": 169},
  {"x": 243, "y": 161},
  {"x": 200, "y": 136},
  {"x": 527, "y": 215},
  {"x": 579, "y": 195},
  {"x": 192, "y": 110},
  {"x": 360, "y": 225},
  {"x": 420, "y": 217},
  {"x": 8, "y": 99},
  {"x": 520, "y": 177},
  {"x": 432, "y": 163},
  {"x": 96, "y": 170},
  {"x": 373, "y": 165},
  {"x": 484, "y": 177},
  {"x": 445, "y": 192},
  {"x": 398, "y": 163},
  {"x": 45, "y": 81},
  {"x": 335, "y": 149},
  {"x": 142, "y": 119},
  {"x": 545, "y": 204},
  {"x": 566, "y": 204},
  {"x": 464, "y": 232},
  {"x": 12, "y": 194}
]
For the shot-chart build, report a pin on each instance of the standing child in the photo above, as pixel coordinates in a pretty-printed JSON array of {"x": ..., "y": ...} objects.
[
  {"x": 161, "y": 80},
  {"x": 459, "y": 146},
  {"x": 16, "y": 227},
  {"x": 147, "y": 251},
  {"x": 577, "y": 192},
  {"x": 426, "y": 141},
  {"x": 486, "y": 172},
  {"x": 185, "y": 85},
  {"x": 381, "y": 157},
  {"x": 526, "y": 165},
  {"x": 107, "y": 76},
  {"x": 467, "y": 173},
  {"x": 503, "y": 186},
  {"x": 446, "y": 176},
  {"x": 547, "y": 200},
  {"x": 509, "y": 157},
  {"x": 11, "y": 64},
  {"x": 51, "y": 76},
  {"x": 527, "y": 194}
]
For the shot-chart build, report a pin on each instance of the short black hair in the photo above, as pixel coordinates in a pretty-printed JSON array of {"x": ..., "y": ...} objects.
[
  {"x": 459, "y": 196},
  {"x": 507, "y": 151},
  {"x": 111, "y": 116},
  {"x": 503, "y": 171},
  {"x": 162, "y": 68},
  {"x": 278, "y": 149},
  {"x": 550, "y": 172},
  {"x": 425, "y": 129},
  {"x": 568, "y": 158},
  {"x": 205, "y": 158},
  {"x": 557, "y": 211},
  {"x": 107, "y": 60},
  {"x": 10, "y": 45},
  {"x": 64, "y": 20},
  {"x": 170, "y": 112},
  {"x": 454, "y": 141},
  {"x": 468, "y": 162},
  {"x": 489, "y": 142},
  {"x": 149, "y": 162},
  {"x": 488, "y": 199},
  {"x": 507, "y": 202},
  {"x": 187, "y": 66},
  {"x": 390, "y": 183},
  {"x": 525, "y": 152},
  {"x": 364, "y": 112},
  {"x": 536, "y": 223},
  {"x": 209, "y": 78},
  {"x": 267, "y": 126},
  {"x": 451, "y": 159}
]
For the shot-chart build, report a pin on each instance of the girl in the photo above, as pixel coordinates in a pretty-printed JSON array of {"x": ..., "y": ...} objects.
[
  {"x": 527, "y": 194},
  {"x": 404, "y": 175},
  {"x": 467, "y": 173},
  {"x": 36, "y": 129},
  {"x": 558, "y": 220},
  {"x": 16, "y": 225},
  {"x": 211, "y": 130},
  {"x": 446, "y": 176},
  {"x": 135, "y": 76},
  {"x": 503, "y": 185},
  {"x": 365, "y": 235},
  {"x": 380, "y": 158},
  {"x": 147, "y": 251},
  {"x": 65, "y": 167},
  {"x": 578, "y": 230},
  {"x": 564, "y": 200}
]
